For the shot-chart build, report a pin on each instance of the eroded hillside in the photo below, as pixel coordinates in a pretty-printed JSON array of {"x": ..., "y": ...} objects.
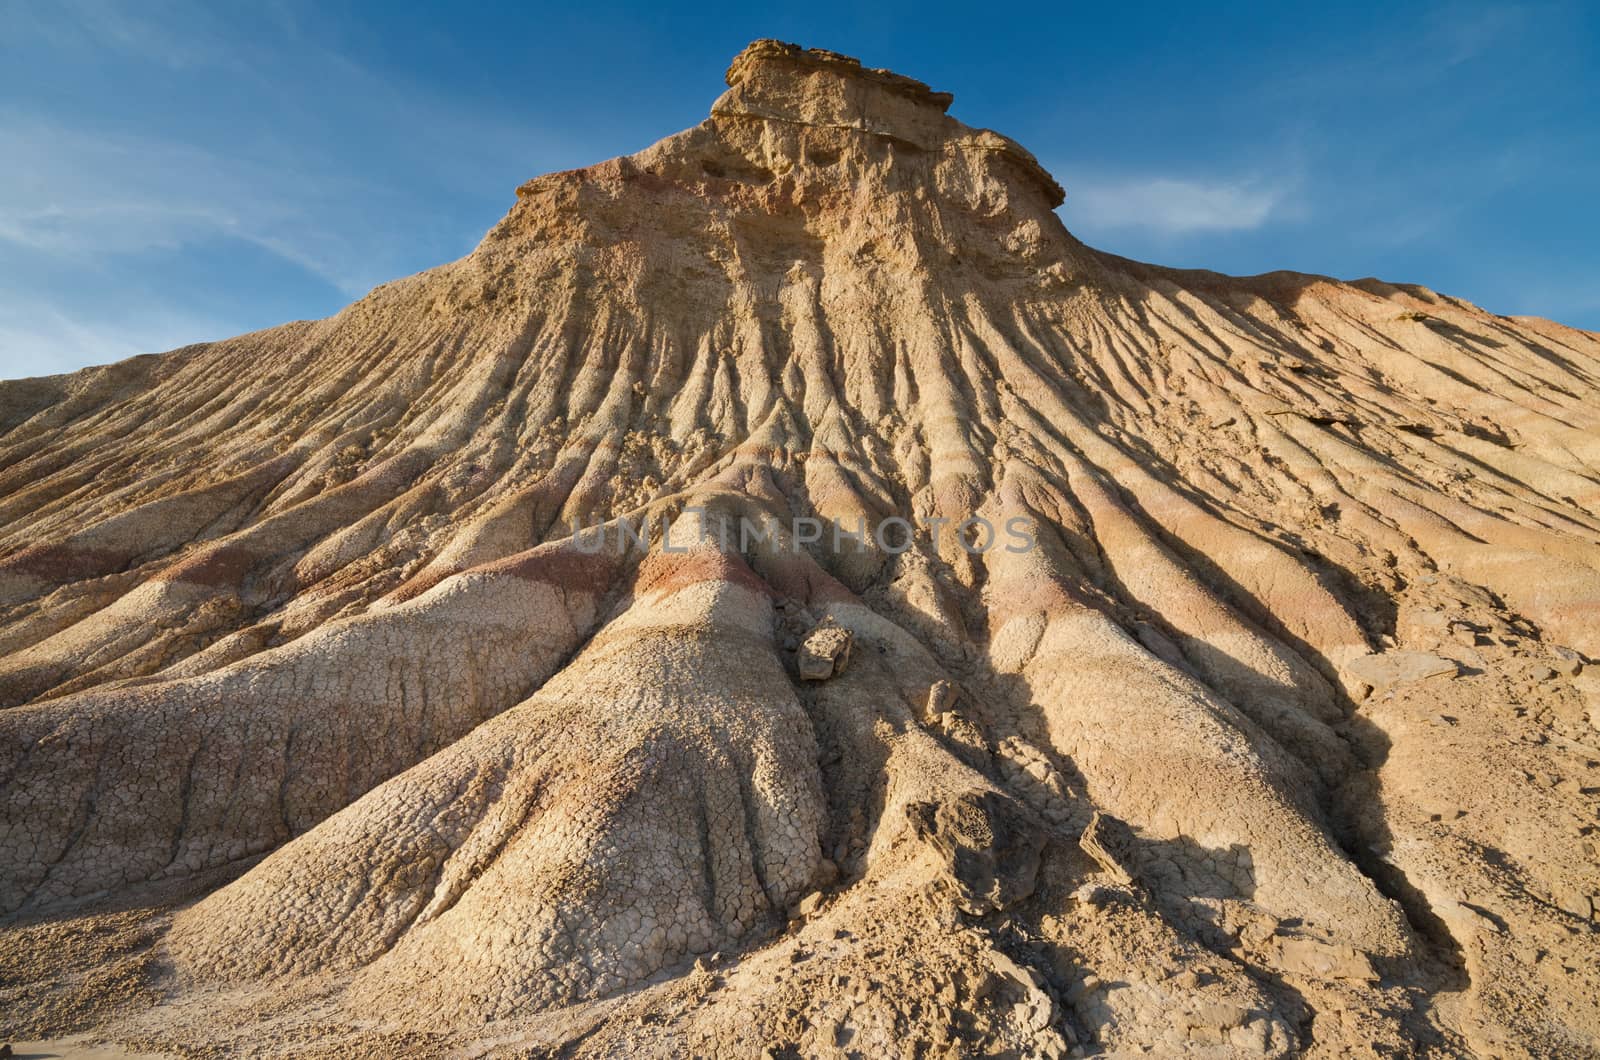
[{"x": 321, "y": 733}]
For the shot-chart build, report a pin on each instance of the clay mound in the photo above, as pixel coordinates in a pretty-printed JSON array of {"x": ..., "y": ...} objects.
[
  {"x": 655, "y": 799},
  {"x": 1277, "y": 736}
]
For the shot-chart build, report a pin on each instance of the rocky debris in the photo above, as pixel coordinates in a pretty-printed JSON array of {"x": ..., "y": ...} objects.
[
  {"x": 1537, "y": 672},
  {"x": 989, "y": 847},
  {"x": 1026, "y": 996},
  {"x": 1578, "y": 902},
  {"x": 824, "y": 652},
  {"x": 1148, "y": 989},
  {"x": 1566, "y": 660},
  {"x": 1213, "y": 1022},
  {"x": 809, "y": 905}
]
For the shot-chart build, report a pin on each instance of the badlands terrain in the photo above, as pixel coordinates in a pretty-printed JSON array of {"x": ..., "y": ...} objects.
[{"x": 322, "y": 735}]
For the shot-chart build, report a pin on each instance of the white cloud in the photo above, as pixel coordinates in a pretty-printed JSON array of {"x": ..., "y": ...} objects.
[
  {"x": 87, "y": 194},
  {"x": 1172, "y": 206}
]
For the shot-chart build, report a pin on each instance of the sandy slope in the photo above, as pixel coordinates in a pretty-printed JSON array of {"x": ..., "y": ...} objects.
[{"x": 1317, "y": 579}]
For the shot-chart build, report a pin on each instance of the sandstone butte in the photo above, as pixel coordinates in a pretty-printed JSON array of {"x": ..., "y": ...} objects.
[{"x": 321, "y": 737}]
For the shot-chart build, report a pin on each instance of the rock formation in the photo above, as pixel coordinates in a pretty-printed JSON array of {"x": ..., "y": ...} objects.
[{"x": 325, "y": 734}]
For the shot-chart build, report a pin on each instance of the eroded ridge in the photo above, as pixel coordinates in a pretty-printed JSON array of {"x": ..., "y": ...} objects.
[{"x": 321, "y": 730}]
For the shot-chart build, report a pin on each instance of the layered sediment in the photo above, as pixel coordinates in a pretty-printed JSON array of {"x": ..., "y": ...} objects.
[{"x": 1281, "y": 738}]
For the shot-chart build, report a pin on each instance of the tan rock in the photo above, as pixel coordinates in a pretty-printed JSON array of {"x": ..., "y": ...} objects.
[
  {"x": 1400, "y": 667},
  {"x": 824, "y": 652},
  {"x": 1318, "y": 959},
  {"x": 1106, "y": 840}
]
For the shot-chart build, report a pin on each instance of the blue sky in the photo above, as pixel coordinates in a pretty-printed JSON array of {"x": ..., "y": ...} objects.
[{"x": 176, "y": 170}]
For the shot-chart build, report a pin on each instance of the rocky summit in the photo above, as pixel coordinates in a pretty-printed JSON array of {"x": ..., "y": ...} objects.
[{"x": 1203, "y": 666}]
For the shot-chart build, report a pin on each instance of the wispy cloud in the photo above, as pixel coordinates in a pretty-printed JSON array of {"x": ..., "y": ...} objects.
[
  {"x": 348, "y": 175},
  {"x": 1172, "y": 206},
  {"x": 1455, "y": 36},
  {"x": 86, "y": 194},
  {"x": 172, "y": 33},
  {"x": 101, "y": 193},
  {"x": 1413, "y": 51}
]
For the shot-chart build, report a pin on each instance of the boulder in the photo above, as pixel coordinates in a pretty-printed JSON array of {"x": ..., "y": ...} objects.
[
  {"x": 1386, "y": 669},
  {"x": 1108, "y": 841},
  {"x": 824, "y": 652}
]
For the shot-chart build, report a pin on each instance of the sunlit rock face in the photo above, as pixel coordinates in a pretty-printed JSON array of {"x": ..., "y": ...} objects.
[{"x": 315, "y": 704}]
